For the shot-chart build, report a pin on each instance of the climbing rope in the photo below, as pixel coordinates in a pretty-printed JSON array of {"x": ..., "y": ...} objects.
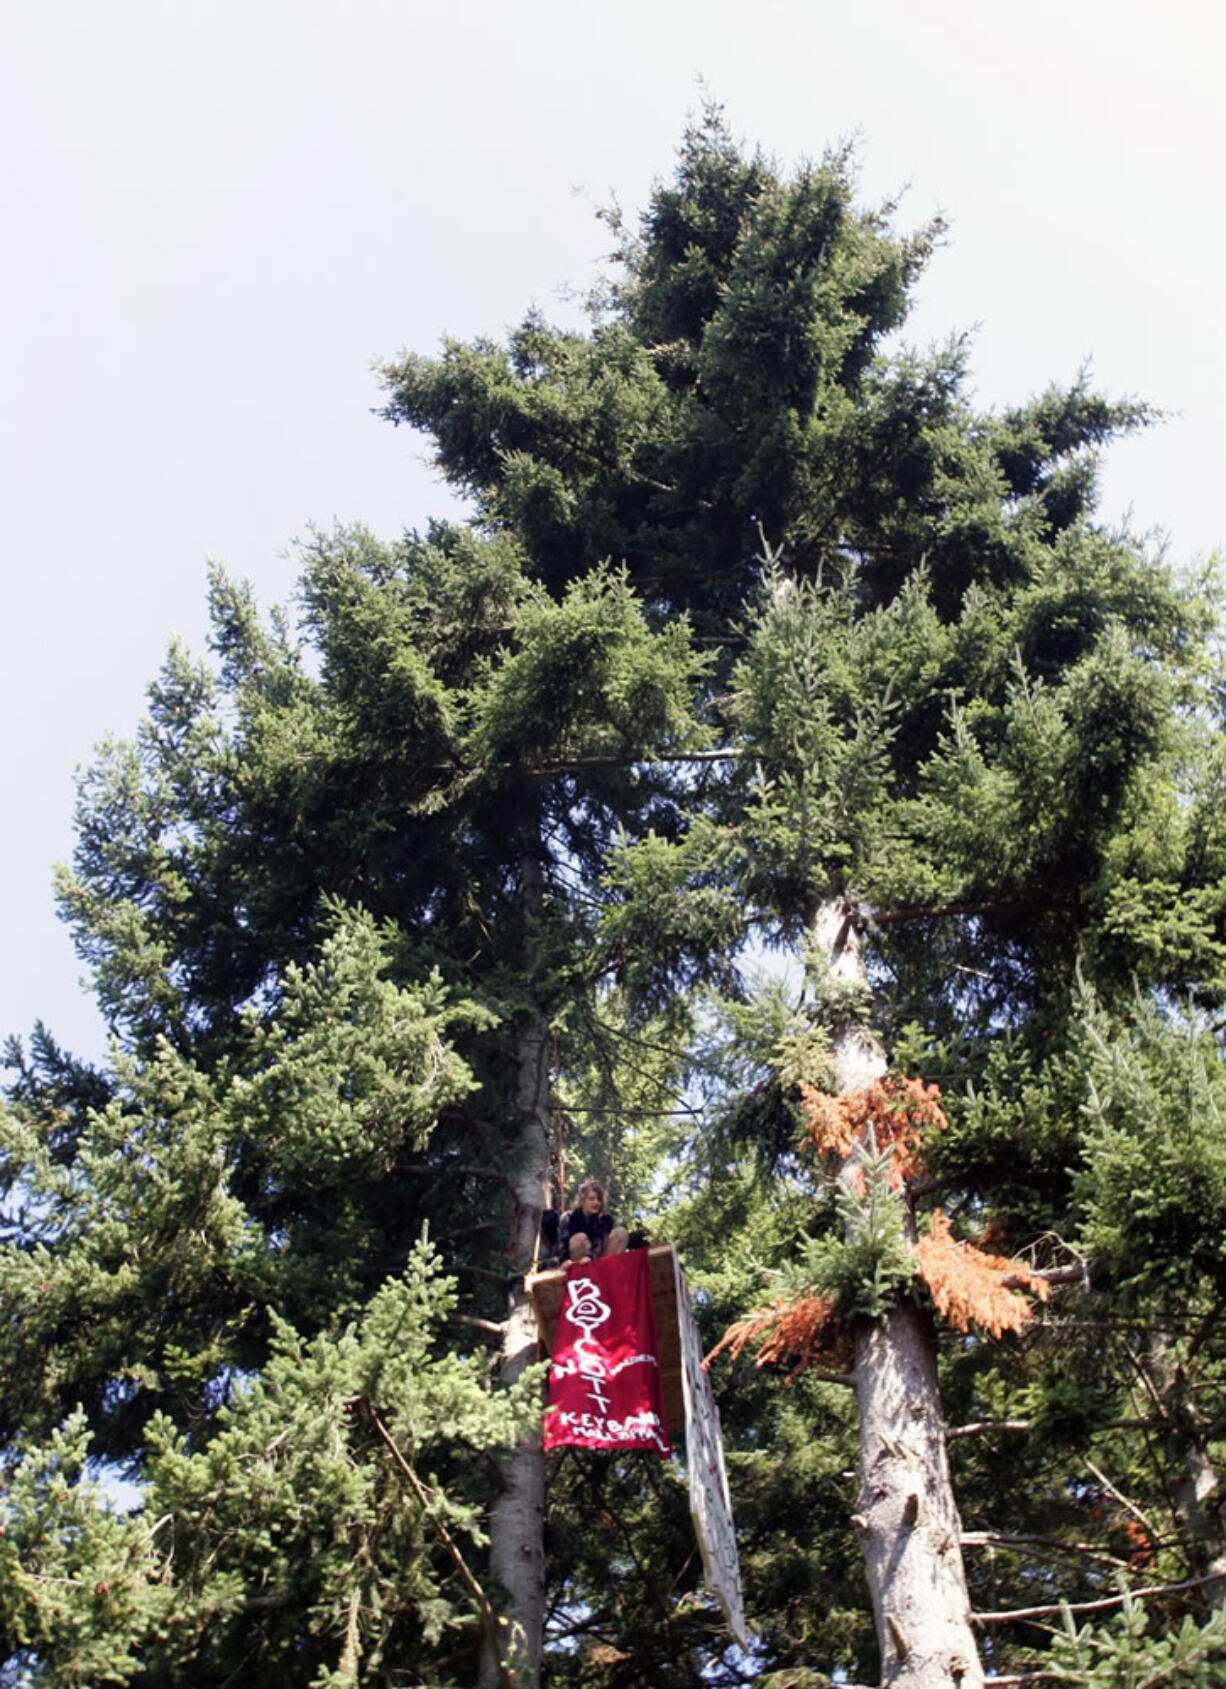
[{"x": 558, "y": 1154}]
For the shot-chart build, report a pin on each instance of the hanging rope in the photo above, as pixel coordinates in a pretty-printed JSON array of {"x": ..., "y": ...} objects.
[
  {"x": 555, "y": 1156},
  {"x": 555, "y": 1171},
  {"x": 558, "y": 1116}
]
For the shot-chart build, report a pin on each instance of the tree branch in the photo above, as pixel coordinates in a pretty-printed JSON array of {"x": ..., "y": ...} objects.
[
  {"x": 1003, "y": 1539},
  {"x": 928, "y": 1187},
  {"x": 466, "y": 1231},
  {"x": 1154, "y": 1533},
  {"x": 488, "y": 1622},
  {"x": 978, "y": 1427},
  {"x": 1027, "y": 1678},
  {"x": 935, "y": 911},
  {"x": 491, "y": 1328},
  {"x": 1095, "y": 1606},
  {"x": 1049, "y": 1275},
  {"x": 608, "y": 759},
  {"x": 622, "y": 759}
]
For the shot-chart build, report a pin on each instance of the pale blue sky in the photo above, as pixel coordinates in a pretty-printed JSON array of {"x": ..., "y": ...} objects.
[{"x": 216, "y": 215}]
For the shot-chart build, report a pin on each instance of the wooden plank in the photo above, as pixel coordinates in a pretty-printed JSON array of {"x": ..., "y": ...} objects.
[{"x": 547, "y": 1290}]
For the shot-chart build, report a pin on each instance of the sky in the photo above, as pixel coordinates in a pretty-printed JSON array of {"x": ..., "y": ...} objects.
[{"x": 219, "y": 216}]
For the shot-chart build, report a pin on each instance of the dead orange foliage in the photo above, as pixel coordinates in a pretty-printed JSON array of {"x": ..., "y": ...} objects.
[
  {"x": 1144, "y": 1554},
  {"x": 1107, "y": 1512},
  {"x": 807, "y": 1332},
  {"x": 827, "y": 1126},
  {"x": 894, "y": 1112},
  {"x": 965, "y": 1282}
]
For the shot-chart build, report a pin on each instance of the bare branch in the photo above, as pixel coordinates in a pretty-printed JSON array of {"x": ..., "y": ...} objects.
[
  {"x": 979, "y": 1427},
  {"x": 491, "y": 1328},
  {"x": 620, "y": 759},
  {"x": 934, "y": 911},
  {"x": 928, "y": 1187},
  {"x": 610, "y": 759},
  {"x": 467, "y": 1231},
  {"x": 488, "y": 1623},
  {"x": 1027, "y": 1677},
  {"x": 1131, "y": 1506},
  {"x": 1147, "y": 1383},
  {"x": 1095, "y": 1606},
  {"x": 1049, "y": 1275},
  {"x": 1004, "y": 1539}
]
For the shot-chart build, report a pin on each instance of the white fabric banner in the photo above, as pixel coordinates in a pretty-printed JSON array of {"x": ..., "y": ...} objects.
[{"x": 710, "y": 1504}]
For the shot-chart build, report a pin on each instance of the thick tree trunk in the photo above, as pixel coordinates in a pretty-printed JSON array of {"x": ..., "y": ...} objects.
[
  {"x": 906, "y": 1515},
  {"x": 517, "y": 1521},
  {"x": 517, "y": 1528}
]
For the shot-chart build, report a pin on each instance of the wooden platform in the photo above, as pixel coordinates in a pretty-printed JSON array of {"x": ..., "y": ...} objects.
[{"x": 546, "y": 1291}]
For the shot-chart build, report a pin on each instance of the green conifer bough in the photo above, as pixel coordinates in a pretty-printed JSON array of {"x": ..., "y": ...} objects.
[{"x": 761, "y": 635}]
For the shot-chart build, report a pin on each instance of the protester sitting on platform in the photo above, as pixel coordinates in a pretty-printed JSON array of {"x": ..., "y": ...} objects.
[{"x": 587, "y": 1232}]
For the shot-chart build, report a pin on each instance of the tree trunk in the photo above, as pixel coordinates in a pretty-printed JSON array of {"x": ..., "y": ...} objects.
[
  {"x": 1196, "y": 1490},
  {"x": 906, "y": 1515},
  {"x": 517, "y": 1521}
]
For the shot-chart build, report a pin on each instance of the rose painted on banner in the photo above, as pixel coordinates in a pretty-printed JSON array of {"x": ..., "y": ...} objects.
[{"x": 585, "y": 1305}]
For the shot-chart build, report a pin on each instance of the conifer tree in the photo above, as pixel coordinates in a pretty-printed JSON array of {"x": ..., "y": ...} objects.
[
  {"x": 760, "y": 634},
  {"x": 960, "y": 704}
]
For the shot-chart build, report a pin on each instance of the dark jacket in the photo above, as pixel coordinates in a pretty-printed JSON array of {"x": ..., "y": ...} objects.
[{"x": 597, "y": 1227}]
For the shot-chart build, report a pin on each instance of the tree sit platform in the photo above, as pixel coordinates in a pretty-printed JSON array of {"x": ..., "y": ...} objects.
[{"x": 546, "y": 1290}]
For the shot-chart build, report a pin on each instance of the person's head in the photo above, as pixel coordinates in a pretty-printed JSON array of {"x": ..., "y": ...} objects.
[{"x": 590, "y": 1199}]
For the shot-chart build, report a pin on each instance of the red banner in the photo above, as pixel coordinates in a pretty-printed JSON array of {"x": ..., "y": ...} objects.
[{"x": 604, "y": 1384}]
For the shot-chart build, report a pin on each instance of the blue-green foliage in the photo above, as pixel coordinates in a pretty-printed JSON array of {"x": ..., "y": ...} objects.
[
  {"x": 214, "y": 1197},
  {"x": 288, "y": 1542},
  {"x": 862, "y": 1263},
  {"x": 1126, "y": 1654},
  {"x": 1151, "y": 1197}
]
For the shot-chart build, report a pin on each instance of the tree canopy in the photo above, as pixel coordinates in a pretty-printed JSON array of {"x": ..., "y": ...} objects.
[{"x": 763, "y": 645}]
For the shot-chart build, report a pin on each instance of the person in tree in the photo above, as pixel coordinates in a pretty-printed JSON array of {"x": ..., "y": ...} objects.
[{"x": 588, "y": 1231}]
